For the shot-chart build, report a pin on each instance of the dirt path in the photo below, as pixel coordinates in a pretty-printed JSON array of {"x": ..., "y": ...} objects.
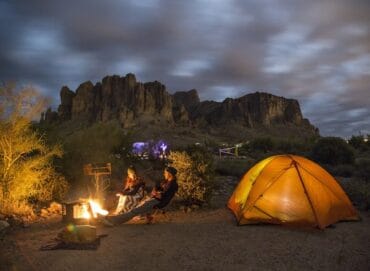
[{"x": 202, "y": 240}]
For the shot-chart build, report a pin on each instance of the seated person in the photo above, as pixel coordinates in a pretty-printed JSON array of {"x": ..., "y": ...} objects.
[
  {"x": 131, "y": 194},
  {"x": 159, "y": 198}
]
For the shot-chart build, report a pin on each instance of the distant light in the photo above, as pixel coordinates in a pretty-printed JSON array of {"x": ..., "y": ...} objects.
[{"x": 151, "y": 148}]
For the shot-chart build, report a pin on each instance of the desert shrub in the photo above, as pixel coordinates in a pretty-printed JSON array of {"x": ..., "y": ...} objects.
[
  {"x": 358, "y": 143},
  {"x": 332, "y": 151},
  {"x": 358, "y": 190},
  {"x": 194, "y": 175},
  {"x": 363, "y": 168},
  {"x": 258, "y": 148},
  {"x": 342, "y": 170},
  {"x": 99, "y": 143},
  {"x": 262, "y": 144},
  {"x": 293, "y": 146},
  {"x": 26, "y": 170},
  {"x": 233, "y": 167}
]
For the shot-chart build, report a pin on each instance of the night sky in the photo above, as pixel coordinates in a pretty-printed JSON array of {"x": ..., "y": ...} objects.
[{"x": 315, "y": 51}]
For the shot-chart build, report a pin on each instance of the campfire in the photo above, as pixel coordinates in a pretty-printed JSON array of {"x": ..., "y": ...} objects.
[
  {"x": 82, "y": 211},
  {"x": 96, "y": 209}
]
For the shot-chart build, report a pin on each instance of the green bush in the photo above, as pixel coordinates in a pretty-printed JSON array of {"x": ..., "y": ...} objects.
[
  {"x": 342, "y": 170},
  {"x": 358, "y": 191},
  {"x": 358, "y": 143},
  {"x": 195, "y": 171},
  {"x": 233, "y": 167},
  {"x": 264, "y": 144},
  {"x": 95, "y": 144},
  {"x": 332, "y": 151},
  {"x": 363, "y": 168},
  {"x": 293, "y": 146}
]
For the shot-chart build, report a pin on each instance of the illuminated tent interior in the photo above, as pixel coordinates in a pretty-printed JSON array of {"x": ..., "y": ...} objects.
[{"x": 289, "y": 189}]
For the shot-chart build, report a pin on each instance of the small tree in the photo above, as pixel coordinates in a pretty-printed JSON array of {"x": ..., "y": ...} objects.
[
  {"x": 26, "y": 171},
  {"x": 194, "y": 175},
  {"x": 333, "y": 151},
  {"x": 102, "y": 142},
  {"x": 358, "y": 142},
  {"x": 264, "y": 144}
]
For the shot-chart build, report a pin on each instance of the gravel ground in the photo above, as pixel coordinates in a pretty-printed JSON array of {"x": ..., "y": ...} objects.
[
  {"x": 202, "y": 240},
  {"x": 206, "y": 239}
]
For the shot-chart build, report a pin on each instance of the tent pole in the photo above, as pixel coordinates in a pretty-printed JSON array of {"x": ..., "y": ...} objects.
[{"x": 308, "y": 196}]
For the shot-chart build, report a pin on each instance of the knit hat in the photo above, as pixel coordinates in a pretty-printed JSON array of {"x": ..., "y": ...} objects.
[{"x": 171, "y": 170}]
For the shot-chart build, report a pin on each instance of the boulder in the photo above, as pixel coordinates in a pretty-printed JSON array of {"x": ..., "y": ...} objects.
[{"x": 3, "y": 225}]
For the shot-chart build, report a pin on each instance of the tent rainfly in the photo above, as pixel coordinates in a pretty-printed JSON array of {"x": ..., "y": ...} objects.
[{"x": 289, "y": 189}]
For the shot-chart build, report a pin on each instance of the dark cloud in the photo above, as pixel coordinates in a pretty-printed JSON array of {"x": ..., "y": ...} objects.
[{"x": 315, "y": 51}]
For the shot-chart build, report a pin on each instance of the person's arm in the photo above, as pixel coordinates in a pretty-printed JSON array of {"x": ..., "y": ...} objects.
[
  {"x": 167, "y": 195},
  {"x": 133, "y": 190},
  {"x": 157, "y": 191},
  {"x": 125, "y": 188}
]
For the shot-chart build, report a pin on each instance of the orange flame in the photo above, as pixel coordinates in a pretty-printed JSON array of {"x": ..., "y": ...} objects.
[
  {"x": 96, "y": 209},
  {"x": 89, "y": 210}
]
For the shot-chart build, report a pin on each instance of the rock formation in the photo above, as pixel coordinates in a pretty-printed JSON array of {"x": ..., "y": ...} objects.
[
  {"x": 133, "y": 103},
  {"x": 251, "y": 110}
]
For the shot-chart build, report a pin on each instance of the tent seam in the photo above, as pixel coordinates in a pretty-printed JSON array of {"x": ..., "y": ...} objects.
[
  {"x": 308, "y": 196},
  {"x": 242, "y": 208},
  {"x": 259, "y": 196},
  {"x": 323, "y": 183}
]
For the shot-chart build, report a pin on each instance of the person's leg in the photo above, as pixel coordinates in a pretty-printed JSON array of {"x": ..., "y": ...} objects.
[
  {"x": 131, "y": 203},
  {"x": 121, "y": 204},
  {"x": 147, "y": 207}
]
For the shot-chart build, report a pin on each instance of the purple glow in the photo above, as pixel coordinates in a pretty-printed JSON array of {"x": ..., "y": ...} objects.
[
  {"x": 163, "y": 147},
  {"x": 150, "y": 148},
  {"x": 140, "y": 148}
]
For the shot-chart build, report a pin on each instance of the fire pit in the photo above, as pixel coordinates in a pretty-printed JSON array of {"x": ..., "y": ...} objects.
[{"x": 81, "y": 211}]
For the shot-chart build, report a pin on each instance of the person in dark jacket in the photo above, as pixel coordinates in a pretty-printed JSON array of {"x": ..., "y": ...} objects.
[
  {"x": 132, "y": 193},
  {"x": 167, "y": 188},
  {"x": 160, "y": 197}
]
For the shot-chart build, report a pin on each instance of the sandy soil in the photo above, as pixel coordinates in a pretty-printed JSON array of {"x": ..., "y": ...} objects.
[{"x": 200, "y": 240}]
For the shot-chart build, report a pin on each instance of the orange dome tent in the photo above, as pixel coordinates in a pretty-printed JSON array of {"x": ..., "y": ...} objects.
[{"x": 289, "y": 189}]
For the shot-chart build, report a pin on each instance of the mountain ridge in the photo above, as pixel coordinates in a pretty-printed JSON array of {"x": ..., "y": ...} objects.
[{"x": 134, "y": 103}]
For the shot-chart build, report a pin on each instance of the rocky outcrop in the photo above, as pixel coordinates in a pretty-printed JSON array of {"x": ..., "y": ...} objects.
[
  {"x": 65, "y": 107},
  {"x": 251, "y": 110},
  {"x": 116, "y": 97},
  {"x": 133, "y": 103},
  {"x": 189, "y": 99}
]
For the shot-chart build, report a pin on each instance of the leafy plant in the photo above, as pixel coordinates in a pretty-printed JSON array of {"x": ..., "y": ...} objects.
[
  {"x": 195, "y": 169},
  {"x": 26, "y": 169},
  {"x": 264, "y": 144},
  {"x": 233, "y": 167},
  {"x": 363, "y": 169},
  {"x": 333, "y": 151},
  {"x": 358, "y": 143}
]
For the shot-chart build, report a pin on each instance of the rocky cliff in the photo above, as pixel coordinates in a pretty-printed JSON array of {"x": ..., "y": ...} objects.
[{"x": 133, "y": 103}]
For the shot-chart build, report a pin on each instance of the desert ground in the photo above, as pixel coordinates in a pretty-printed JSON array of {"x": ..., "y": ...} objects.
[{"x": 204, "y": 239}]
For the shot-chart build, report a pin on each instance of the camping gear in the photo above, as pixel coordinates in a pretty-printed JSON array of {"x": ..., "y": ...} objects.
[
  {"x": 289, "y": 189},
  {"x": 78, "y": 234},
  {"x": 75, "y": 237}
]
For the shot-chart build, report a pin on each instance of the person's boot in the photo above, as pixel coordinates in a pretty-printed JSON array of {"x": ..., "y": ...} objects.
[
  {"x": 104, "y": 220},
  {"x": 149, "y": 219}
]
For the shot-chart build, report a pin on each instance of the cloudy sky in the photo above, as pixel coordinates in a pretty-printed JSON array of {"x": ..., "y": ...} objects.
[{"x": 316, "y": 51}]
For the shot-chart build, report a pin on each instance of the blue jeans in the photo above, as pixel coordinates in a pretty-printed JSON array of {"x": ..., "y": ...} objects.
[{"x": 145, "y": 208}]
